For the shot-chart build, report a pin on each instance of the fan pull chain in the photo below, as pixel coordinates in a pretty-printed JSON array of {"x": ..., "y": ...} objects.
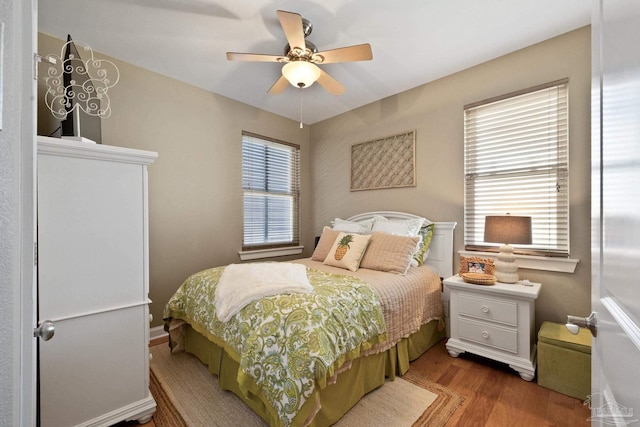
[{"x": 300, "y": 108}]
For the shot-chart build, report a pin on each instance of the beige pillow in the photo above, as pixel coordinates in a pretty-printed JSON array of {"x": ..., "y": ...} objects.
[
  {"x": 323, "y": 247},
  {"x": 389, "y": 252},
  {"x": 347, "y": 250}
]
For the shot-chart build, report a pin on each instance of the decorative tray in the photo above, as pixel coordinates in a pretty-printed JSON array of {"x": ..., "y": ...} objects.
[{"x": 478, "y": 278}]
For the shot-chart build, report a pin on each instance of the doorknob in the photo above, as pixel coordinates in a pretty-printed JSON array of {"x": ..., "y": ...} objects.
[
  {"x": 45, "y": 331},
  {"x": 574, "y": 323}
]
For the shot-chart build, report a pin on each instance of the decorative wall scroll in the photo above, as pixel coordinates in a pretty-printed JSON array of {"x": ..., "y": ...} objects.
[{"x": 384, "y": 163}]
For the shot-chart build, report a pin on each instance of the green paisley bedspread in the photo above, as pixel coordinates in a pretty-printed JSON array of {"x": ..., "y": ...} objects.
[{"x": 287, "y": 344}]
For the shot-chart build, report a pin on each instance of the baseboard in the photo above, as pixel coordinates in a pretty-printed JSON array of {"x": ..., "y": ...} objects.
[{"x": 157, "y": 334}]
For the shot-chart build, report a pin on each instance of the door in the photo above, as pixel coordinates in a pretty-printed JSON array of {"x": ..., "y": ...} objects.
[{"x": 615, "y": 389}]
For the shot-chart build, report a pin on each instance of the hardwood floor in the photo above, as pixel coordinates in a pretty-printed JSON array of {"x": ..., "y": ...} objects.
[{"x": 494, "y": 395}]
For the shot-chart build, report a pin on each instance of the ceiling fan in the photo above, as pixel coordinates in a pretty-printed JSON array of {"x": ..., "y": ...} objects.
[{"x": 301, "y": 56}]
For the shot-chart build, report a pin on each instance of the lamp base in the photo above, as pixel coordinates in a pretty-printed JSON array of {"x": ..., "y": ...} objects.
[
  {"x": 507, "y": 277},
  {"x": 506, "y": 268}
]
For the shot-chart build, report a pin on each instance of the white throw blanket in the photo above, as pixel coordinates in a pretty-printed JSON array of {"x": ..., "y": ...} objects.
[{"x": 240, "y": 284}]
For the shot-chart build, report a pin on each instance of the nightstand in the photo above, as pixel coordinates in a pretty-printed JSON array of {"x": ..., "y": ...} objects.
[{"x": 497, "y": 322}]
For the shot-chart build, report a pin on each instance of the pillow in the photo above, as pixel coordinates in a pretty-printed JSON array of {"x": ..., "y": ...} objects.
[
  {"x": 426, "y": 231},
  {"x": 347, "y": 250},
  {"x": 389, "y": 252},
  {"x": 324, "y": 244},
  {"x": 360, "y": 227},
  {"x": 402, "y": 227}
]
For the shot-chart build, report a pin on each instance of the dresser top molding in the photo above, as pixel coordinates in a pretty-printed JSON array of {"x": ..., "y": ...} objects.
[
  {"x": 70, "y": 148},
  {"x": 516, "y": 290}
]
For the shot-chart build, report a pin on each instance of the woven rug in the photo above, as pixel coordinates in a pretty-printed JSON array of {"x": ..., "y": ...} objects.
[{"x": 187, "y": 395}]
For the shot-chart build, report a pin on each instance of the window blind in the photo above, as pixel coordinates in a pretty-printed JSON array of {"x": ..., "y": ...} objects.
[
  {"x": 516, "y": 162},
  {"x": 271, "y": 187}
]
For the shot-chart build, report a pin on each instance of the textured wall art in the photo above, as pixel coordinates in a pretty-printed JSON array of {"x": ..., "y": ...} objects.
[{"x": 384, "y": 163}]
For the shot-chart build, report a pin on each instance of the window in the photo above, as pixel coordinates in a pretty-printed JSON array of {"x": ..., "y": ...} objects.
[
  {"x": 516, "y": 161},
  {"x": 270, "y": 187}
]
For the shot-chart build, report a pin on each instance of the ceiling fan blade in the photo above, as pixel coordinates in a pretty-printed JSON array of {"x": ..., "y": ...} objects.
[
  {"x": 361, "y": 52},
  {"x": 254, "y": 57},
  {"x": 292, "y": 27},
  {"x": 279, "y": 86},
  {"x": 330, "y": 84}
]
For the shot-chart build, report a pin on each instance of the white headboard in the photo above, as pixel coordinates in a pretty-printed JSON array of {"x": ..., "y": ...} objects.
[{"x": 441, "y": 248}]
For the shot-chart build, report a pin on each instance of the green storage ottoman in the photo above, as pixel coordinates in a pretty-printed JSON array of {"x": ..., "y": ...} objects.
[{"x": 564, "y": 360}]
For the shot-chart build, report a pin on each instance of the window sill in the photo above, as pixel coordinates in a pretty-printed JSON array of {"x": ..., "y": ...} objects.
[
  {"x": 269, "y": 253},
  {"x": 562, "y": 265}
]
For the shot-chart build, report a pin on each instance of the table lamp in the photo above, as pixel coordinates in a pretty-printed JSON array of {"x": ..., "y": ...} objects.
[{"x": 507, "y": 229}]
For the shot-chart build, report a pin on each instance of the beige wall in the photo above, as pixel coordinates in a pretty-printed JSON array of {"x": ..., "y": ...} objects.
[
  {"x": 195, "y": 199},
  {"x": 194, "y": 187},
  {"x": 435, "y": 111}
]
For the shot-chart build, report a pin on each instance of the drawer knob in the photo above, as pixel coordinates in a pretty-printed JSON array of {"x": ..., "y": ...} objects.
[
  {"x": 485, "y": 335},
  {"x": 150, "y": 317},
  {"x": 485, "y": 309},
  {"x": 150, "y": 356}
]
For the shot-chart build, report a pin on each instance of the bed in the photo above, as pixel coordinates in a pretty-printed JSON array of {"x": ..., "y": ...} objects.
[{"x": 377, "y": 323}]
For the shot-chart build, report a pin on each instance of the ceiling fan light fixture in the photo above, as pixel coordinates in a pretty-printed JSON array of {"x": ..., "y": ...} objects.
[{"x": 301, "y": 73}]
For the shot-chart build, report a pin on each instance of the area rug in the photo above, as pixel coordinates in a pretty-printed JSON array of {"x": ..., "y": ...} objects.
[{"x": 187, "y": 395}]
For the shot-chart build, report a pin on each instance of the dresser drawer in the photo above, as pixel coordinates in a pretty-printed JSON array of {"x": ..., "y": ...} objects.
[
  {"x": 488, "y": 309},
  {"x": 488, "y": 335}
]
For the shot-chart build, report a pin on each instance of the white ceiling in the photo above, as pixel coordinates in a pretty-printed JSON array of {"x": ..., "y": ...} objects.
[{"x": 413, "y": 41}]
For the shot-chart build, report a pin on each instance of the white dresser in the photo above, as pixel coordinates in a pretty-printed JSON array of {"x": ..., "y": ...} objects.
[
  {"x": 93, "y": 283},
  {"x": 497, "y": 322}
]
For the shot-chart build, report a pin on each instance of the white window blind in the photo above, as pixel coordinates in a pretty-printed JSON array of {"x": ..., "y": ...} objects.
[
  {"x": 271, "y": 187},
  {"x": 516, "y": 162}
]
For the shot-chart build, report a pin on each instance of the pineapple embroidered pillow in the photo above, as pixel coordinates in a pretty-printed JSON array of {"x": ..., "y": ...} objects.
[{"x": 347, "y": 251}]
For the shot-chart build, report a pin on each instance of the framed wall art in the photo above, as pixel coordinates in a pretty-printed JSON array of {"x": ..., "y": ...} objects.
[{"x": 384, "y": 163}]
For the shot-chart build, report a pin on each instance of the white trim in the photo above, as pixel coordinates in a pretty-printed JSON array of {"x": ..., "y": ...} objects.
[
  {"x": 629, "y": 327},
  {"x": 561, "y": 265},
  {"x": 511, "y": 290},
  {"x": 25, "y": 24},
  {"x": 142, "y": 411},
  {"x": 104, "y": 310},
  {"x": 269, "y": 253},
  {"x": 441, "y": 249},
  {"x": 157, "y": 332},
  {"x": 70, "y": 148}
]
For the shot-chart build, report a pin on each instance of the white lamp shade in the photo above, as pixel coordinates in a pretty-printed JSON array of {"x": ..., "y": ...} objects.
[{"x": 301, "y": 73}]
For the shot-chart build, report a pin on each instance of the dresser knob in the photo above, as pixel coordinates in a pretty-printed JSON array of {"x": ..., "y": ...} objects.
[
  {"x": 150, "y": 356},
  {"x": 485, "y": 335},
  {"x": 150, "y": 317},
  {"x": 485, "y": 309}
]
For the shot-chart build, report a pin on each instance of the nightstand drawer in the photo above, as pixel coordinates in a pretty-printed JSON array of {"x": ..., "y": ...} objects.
[
  {"x": 488, "y": 309},
  {"x": 493, "y": 336}
]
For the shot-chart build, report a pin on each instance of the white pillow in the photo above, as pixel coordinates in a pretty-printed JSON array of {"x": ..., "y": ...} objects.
[
  {"x": 359, "y": 227},
  {"x": 402, "y": 227}
]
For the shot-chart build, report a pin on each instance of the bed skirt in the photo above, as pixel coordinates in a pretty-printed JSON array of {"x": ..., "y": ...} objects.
[{"x": 366, "y": 374}]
